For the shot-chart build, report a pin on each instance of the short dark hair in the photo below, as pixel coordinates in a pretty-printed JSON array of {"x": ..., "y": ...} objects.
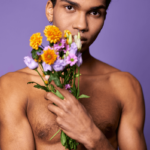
[{"x": 107, "y": 3}]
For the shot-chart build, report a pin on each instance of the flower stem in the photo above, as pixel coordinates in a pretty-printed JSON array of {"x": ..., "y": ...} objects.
[
  {"x": 42, "y": 78},
  {"x": 78, "y": 81},
  {"x": 55, "y": 134}
]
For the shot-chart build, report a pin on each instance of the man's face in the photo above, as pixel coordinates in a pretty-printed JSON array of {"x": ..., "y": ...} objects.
[{"x": 83, "y": 15}]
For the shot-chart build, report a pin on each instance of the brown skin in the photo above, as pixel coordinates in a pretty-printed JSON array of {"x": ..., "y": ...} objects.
[{"x": 113, "y": 115}]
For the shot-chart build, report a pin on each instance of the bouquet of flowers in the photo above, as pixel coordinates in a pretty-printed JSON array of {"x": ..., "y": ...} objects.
[{"x": 59, "y": 59}]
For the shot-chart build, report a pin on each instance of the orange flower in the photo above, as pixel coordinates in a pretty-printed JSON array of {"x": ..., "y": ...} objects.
[
  {"x": 49, "y": 56},
  {"x": 36, "y": 40},
  {"x": 52, "y": 33},
  {"x": 66, "y": 32}
]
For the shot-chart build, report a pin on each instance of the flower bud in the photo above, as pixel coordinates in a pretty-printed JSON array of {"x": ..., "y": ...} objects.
[
  {"x": 79, "y": 37},
  {"x": 79, "y": 44},
  {"x": 75, "y": 38},
  {"x": 67, "y": 35},
  {"x": 70, "y": 39},
  {"x": 67, "y": 53},
  {"x": 46, "y": 82}
]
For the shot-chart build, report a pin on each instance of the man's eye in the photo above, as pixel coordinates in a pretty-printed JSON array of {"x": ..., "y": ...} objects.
[
  {"x": 95, "y": 13},
  {"x": 69, "y": 7}
]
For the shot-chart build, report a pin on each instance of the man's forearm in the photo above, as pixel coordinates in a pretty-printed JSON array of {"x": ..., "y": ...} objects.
[{"x": 96, "y": 140}]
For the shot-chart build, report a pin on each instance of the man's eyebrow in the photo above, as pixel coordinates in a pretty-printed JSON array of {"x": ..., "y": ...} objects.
[
  {"x": 72, "y": 3},
  {"x": 98, "y": 7},
  {"x": 78, "y": 5}
]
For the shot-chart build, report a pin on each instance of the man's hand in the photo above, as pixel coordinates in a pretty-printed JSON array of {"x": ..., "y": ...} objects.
[{"x": 72, "y": 116}]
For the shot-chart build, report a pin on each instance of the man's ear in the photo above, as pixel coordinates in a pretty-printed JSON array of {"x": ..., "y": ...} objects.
[{"x": 49, "y": 11}]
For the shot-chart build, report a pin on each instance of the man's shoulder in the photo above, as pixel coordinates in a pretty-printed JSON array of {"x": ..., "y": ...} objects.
[
  {"x": 13, "y": 78},
  {"x": 126, "y": 87},
  {"x": 14, "y": 84}
]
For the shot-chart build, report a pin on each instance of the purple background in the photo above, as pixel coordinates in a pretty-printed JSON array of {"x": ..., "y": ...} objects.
[{"x": 124, "y": 41}]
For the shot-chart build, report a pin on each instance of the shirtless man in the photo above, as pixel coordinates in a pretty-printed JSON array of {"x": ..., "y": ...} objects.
[{"x": 112, "y": 117}]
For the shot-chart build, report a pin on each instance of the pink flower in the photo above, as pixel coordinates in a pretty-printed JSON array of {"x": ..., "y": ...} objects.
[
  {"x": 71, "y": 59},
  {"x": 60, "y": 44},
  {"x": 67, "y": 86}
]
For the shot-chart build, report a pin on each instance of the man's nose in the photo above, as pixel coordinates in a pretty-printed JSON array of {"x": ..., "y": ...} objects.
[{"x": 81, "y": 22}]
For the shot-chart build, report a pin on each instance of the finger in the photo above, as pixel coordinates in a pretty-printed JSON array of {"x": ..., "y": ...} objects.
[
  {"x": 56, "y": 110},
  {"x": 55, "y": 99},
  {"x": 66, "y": 94}
]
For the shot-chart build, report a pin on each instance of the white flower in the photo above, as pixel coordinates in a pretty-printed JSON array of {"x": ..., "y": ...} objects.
[
  {"x": 46, "y": 77},
  {"x": 79, "y": 44}
]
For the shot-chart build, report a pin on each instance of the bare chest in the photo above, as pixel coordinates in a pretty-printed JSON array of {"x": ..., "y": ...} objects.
[{"x": 103, "y": 108}]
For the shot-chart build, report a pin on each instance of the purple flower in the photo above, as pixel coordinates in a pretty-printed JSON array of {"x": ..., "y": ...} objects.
[
  {"x": 57, "y": 53},
  {"x": 67, "y": 48},
  {"x": 79, "y": 62},
  {"x": 71, "y": 59},
  {"x": 30, "y": 62},
  {"x": 67, "y": 86},
  {"x": 59, "y": 65},
  {"x": 47, "y": 67},
  {"x": 73, "y": 48},
  {"x": 60, "y": 44}
]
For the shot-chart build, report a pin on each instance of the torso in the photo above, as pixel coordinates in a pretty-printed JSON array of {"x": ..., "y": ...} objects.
[{"x": 103, "y": 106}]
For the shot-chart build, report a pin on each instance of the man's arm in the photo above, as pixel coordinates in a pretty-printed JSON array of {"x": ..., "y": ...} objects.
[
  {"x": 16, "y": 132},
  {"x": 130, "y": 133}
]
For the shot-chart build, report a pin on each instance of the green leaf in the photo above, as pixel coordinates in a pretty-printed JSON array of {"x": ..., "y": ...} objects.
[
  {"x": 84, "y": 96},
  {"x": 34, "y": 53},
  {"x": 38, "y": 86},
  {"x": 42, "y": 87},
  {"x": 56, "y": 79},
  {"x": 32, "y": 82},
  {"x": 47, "y": 72},
  {"x": 59, "y": 94},
  {"x": 63, "y": 138}
]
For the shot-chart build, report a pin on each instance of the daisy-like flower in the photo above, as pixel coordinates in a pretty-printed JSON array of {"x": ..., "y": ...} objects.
[
  {"x": 52, "y": 33},
  {"x": 36, "y": 40},
  {"x": 60, "y": 44},
  {"x": 49, "y": 56},
  {"x": 71, "y": 59}
]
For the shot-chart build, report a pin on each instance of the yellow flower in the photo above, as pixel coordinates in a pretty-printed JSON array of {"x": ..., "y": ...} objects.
[
  {"x": 36, "y": 40},
  {"x": 52, "y": 33},
  {"x": 49, "y": 56},
  {"x": 46, "y": 82},
  {"x": 66, "y": 32}
]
